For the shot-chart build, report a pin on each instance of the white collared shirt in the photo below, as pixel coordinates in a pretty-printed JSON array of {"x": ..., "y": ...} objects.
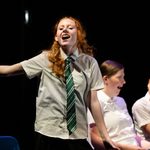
[
  {"x": 51, "y": 98},
  {"x": 117, "y": 119}
]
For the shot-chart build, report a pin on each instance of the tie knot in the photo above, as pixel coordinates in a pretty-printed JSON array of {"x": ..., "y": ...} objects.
[{"x": 68, "y": 60}]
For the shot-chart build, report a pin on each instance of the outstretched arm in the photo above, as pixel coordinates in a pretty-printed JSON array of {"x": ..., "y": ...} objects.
[{"x": 11, "y": 69}]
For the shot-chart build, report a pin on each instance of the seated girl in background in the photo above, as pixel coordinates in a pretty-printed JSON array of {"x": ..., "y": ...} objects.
[{"x": 117, "y": 118}]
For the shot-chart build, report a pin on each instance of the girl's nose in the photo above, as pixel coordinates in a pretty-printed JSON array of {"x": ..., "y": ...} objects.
[{"x": 64, "y": 29}]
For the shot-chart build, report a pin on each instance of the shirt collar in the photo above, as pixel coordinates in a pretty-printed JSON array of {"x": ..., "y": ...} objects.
[
  {"x": 73, "y": 56},
  {"x": 107, "y": 98}
]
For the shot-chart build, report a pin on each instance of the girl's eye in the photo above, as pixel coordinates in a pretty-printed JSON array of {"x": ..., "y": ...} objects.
[{"x": 69, "y": 27}]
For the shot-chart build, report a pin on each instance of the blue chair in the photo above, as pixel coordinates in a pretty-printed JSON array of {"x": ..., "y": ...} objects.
[{"x": 9, "y": 143}]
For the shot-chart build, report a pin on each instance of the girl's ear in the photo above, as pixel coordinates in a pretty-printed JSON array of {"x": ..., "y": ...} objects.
[{"x": 105, "y": 78}]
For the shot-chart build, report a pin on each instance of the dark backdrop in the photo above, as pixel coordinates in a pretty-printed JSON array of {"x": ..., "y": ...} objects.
[{"x": 118, "y": 31}]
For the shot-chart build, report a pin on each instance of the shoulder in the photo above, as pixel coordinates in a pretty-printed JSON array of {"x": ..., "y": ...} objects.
[
  {"x": 138, "y": 104},
  {"x": 43, "y": 56},
  {"x": 40, "y": 58},
  {"x": 120, "y": 101},
  {"x": 86, "y": 57},
  {"x": 139, "y": 101},
  {"x": 88, "y": 60}
]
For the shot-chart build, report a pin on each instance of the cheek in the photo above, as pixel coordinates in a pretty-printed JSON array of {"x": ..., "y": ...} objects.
[
  {"x": 74, "y": 35},
  {"x": 57, "y": 36},
  {"x": 74, "y": 39},
  {"x": 114, "y": 84}
]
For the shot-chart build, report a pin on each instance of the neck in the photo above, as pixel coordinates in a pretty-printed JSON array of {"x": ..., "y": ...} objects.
[
  {"x": 69, "y": 50},
  {"x": 108, "y": 93}
]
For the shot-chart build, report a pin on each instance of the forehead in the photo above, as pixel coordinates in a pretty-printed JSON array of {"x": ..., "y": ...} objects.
[
  {"x": 66, "y": 21},
  {"x": 120, "y": 72}
]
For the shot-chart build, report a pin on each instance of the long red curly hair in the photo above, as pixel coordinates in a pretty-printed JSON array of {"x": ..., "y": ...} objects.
[{"x": 54, "y": 51}]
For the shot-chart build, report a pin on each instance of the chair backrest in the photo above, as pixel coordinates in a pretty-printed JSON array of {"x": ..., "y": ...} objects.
[{"x": 9, "y": 143}]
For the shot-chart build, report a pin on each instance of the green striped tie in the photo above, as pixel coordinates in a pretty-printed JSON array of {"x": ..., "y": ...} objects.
[{"x": 71, "y": 114}]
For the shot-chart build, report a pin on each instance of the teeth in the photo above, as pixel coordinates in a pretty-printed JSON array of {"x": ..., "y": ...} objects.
[{"x": 65, "y": 36}]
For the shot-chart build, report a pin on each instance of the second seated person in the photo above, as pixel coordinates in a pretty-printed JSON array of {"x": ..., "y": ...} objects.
[{"x": 141, "y": 117}]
